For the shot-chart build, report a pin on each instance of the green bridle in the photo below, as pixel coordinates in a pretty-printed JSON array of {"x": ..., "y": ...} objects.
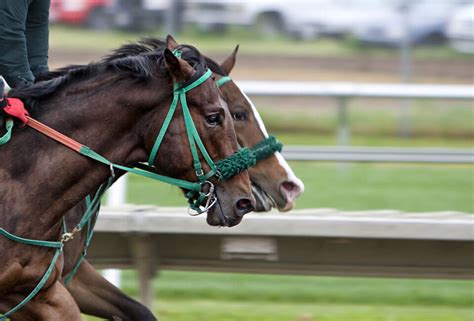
[
  {"x": 200, "y": 194},
  {"x": 198, "y": 199},
  {"x": 223, "y": 169},
  {"x": 195, "y": 195}
]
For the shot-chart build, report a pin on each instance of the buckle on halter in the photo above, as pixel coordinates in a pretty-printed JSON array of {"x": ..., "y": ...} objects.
[
  {"x": 199, "y": 173},
  {"x": 69, "y": 236},
  {"x": 210, "y": 199},
  {"x": 112, "y": 170}
]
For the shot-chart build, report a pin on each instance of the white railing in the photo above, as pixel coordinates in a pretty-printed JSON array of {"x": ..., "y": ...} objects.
[
  {"x": 354, "y": 90},
  {"x": 383, "y": 243},
  {"x": 343, "y": 92},
  {"x": 379, "y": 154}
]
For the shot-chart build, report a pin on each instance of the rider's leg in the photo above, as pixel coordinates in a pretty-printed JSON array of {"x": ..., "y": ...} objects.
[
  {"x": 37, "y": 32},
  {"x": 14, "y": 65}
]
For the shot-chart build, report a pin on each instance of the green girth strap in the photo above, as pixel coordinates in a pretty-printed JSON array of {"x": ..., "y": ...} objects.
[
  {"x": 38, "y": 287},
  {"x": 92, "y": 207},
  {"x": 8, "y": 135},
  {"x": 59, "y": 248}
]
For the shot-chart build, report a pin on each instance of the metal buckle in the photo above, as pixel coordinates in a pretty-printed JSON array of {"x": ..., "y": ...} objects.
[
  {"x": 69, "y": 236},
  {"x": 199, "y": 173},
  {"x": 112, "y": 170},
  {"x": 211, "y": 200}
]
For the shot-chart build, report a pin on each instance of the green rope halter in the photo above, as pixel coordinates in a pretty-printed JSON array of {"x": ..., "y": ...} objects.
[{"x": 223, "y": 169}]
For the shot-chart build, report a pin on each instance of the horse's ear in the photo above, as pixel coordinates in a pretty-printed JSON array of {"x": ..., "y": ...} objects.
[
  {"x": 171, "y": 44},
  {"x": 179, "y": 69},
  {"x": 229, "y": 63}
]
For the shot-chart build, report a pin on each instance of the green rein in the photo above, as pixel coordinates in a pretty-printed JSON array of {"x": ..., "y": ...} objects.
[{"x": 223, "y": 170}]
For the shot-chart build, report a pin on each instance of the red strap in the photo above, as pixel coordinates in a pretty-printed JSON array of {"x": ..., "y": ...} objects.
[
  {"x": 16, "y": 108},
  {"x": 51, "y": 133}
]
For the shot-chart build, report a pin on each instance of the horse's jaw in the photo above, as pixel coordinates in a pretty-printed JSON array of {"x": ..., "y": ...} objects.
[
  {"x": 281, "y": 196},
  {"x": 264, "y": 202}
]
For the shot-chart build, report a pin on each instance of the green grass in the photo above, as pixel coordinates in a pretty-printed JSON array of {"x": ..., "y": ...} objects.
[
  {"x": 355, "y": 187},
  {"x": 201, "y": 310},
  {"x": 250, "y": 311},
  {"x": 372, "y": 123},
  {"x": 195, "y": 296}
]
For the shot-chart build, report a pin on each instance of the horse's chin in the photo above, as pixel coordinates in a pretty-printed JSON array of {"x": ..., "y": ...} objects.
[
  {"x": 214, "y": 218},
  {"x": 265, "y": 202}
]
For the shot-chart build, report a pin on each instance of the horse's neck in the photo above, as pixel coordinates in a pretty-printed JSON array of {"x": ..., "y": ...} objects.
[{"x": 42, "y": 180}]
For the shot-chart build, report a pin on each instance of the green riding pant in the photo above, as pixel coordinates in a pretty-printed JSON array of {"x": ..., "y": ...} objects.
[{"x": 23, "y": 39}]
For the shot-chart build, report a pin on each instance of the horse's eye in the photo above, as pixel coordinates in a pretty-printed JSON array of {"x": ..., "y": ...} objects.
[
  {"x": 240, "y": 115},
  {"x": 214, "y": 119}
]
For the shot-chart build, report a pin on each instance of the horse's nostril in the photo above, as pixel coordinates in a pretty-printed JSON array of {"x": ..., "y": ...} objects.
[
  {"x": 290, "y": 187},
  {"x": 243, "y": 206},
  {"x": 290, "y": 192}
]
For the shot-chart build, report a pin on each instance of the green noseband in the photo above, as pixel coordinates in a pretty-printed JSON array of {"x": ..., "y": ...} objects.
[{"x": 247, "y": 157}]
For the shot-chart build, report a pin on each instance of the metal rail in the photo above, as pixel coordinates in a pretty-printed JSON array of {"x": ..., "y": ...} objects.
[
  {"x": 379, "y": 154},
  {"x": 343, "y": 92},
  {"x": 312, "y": 242},
  {"x": 333, "y": 254},
  {"x": 353, "y": 90}
]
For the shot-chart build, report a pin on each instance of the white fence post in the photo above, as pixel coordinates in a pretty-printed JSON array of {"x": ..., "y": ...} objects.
[{"x": 116, "y": 196}]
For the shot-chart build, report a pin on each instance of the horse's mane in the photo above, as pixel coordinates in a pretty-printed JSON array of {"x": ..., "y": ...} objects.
[
  {"x": 136, "y": 61},
  {"x": 152, "y": 44}
]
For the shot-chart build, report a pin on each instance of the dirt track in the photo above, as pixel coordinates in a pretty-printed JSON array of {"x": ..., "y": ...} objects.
[{"x": 357, "y": 68}]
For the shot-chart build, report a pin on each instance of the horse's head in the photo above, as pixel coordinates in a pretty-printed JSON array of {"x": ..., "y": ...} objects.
[
  {"x": 156, "y": 102},
  {"x": 213, "y": 123},
  {"x": 274, "y": 183}
]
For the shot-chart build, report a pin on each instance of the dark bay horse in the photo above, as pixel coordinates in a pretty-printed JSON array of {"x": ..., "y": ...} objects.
[
  {"x": 116, "y": 108},
  {"x": 274, "y": 185}
]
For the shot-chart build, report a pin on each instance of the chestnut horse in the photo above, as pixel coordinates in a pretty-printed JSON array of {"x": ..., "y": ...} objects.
[
  {"x": 274, "y": 184},
  {"x": 116, "y": 108}
]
